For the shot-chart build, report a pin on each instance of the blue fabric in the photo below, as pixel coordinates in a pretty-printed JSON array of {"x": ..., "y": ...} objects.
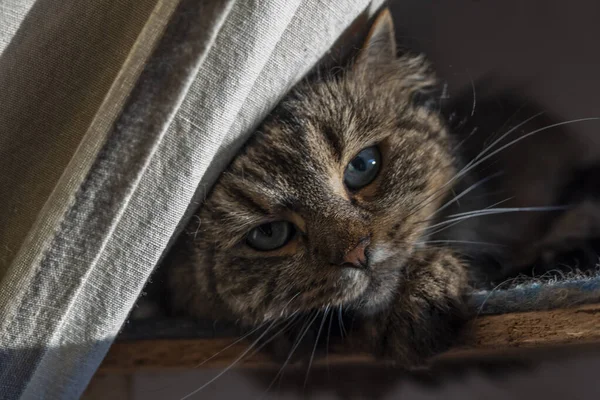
[{"x": 534, "y": 294}]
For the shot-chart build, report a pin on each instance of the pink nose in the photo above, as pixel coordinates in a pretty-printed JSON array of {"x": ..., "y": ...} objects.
[{"x": 357, "y": 256}]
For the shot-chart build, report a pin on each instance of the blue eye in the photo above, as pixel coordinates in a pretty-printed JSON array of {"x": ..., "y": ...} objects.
[
  {"x": 270, "y": 236},
  {"x": 363, "y": 168}
]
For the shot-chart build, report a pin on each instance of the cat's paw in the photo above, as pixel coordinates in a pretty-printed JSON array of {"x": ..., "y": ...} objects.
[
  {"x": 428, "y": 313},
  {"x": 410, "y": 342}
]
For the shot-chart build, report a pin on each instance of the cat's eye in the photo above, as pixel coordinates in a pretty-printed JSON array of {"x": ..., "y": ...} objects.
[
  {"x": 271, "y": 236},
  {"x": 363, "y": 168}
]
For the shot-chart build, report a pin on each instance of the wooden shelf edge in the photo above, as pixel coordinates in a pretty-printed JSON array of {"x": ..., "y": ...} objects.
[{"x": 487, "y": 334}]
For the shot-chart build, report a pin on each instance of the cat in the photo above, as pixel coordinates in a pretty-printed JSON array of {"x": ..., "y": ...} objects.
[
  {"x": 339, "y": 203},
  {"x": 325, "y": 208}
]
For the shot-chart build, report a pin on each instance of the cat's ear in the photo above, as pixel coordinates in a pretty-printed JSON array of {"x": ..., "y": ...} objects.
[{"x": 380, "y": 45}]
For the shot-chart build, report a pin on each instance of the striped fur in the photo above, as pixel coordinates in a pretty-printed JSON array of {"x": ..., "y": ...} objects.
[{"x": 292, "y": 168}]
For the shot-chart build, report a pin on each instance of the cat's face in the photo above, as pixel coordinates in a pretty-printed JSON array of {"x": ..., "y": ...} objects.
[{"x": 329, "y": 197}]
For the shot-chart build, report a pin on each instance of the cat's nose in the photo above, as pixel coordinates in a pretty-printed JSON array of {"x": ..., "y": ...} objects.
[{"x": 357, "y": 256}]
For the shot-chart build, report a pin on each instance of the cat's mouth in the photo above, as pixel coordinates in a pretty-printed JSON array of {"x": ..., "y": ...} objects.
[
  {"x": 378, "y": 281},
  {"x": 366, "y": 289}
]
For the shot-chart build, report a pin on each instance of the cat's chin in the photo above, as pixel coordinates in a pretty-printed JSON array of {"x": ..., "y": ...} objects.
[
  {"x": 355, "y": 282},
  {"x": 377, "y": 295},
  {"x": 375, "y": 299},
  {"x": 382, "y": 278}
]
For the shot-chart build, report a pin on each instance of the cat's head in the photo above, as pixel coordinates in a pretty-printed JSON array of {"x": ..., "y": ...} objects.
[{"x": 329, "y": 197}]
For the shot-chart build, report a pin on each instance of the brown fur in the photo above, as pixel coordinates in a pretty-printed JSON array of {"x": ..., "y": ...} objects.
[{"x": 292, "y": 169}]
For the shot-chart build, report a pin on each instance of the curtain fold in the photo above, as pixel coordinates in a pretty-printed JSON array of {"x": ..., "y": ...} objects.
[{"x": 115, "y": 117}]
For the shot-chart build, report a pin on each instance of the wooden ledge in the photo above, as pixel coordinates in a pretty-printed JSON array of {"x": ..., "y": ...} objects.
[{"x": 488, "y": 335}]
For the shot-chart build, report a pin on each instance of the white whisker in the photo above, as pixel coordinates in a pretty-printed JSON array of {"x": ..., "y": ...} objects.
[
  {"x": 294, "y": 347},
  {"x": 465, "y": 192},
  {"x": 491, "y": 145},
  {"x": 341, "y": 322},
  {"x": 458, "y": 222},
  {"x": 507, "y": 210},
  {"x": 230, "y": 365},
  {"x": 327, "y": 343},
  {"x": 459, "y": 145},
  {"x": 457, "y": 241},
  {"x": 474, "y": 95},
  {"x": 245, "y": 336},
  {"x": 480, "y": 160},
  {"x": 471, "y": 164},
  {"x": 232, "y": 344},
  {"x": 290, "y": 320},
  {"x": 315, "y": 346},
  {"x": 480, "y": 213}
]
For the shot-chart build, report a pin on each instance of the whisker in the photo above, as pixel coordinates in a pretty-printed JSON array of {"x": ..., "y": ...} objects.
[
  {"x": 458, "y": 222},
  {"x": 245, "y": 336},
  {"x": 480, "y": 160},
  {"x": 456, "y": 251},
  {"x": 491, "y": 145},
  {"x": 294, "y": 347},
  {"x": 315, "y": 346},
  {"x": 471, "y": 164},
  {"x": 497, "y": 133},
  {"x": 230, "y": 365},
  {"x": 341, "y": 323},
  {"x": 451, "y": 225},
  {"x": 459, "y": 241},
  {"x": 462, "y": 142},
  {"x": 474, "y": 95},
  {"x": 327, "y": 343},
  {"x": 288, "y": 303},
  {"x": 480, "y": 213},
  {"x": 232, "y": 344},
  {"x": 290, "y": 320},
  {"x": 454, "y": 196},
  {"x": 508, "y": 209},
  {"x": 465, "y": 192}
]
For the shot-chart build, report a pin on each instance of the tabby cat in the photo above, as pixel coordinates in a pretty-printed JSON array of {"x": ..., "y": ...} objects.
[{"x": 335, "y": 204}]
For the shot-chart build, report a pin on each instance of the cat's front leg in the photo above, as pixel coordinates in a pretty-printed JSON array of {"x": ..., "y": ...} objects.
[{"x": 427, "y": 313}]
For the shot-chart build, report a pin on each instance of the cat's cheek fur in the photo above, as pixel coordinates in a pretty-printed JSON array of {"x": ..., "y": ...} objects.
[
  {"x": 426, "y": 314},
  {"x": 380, "y": 253}
]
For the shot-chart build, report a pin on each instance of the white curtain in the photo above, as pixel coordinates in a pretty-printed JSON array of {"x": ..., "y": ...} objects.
[{"x": 115, "y": 117}]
